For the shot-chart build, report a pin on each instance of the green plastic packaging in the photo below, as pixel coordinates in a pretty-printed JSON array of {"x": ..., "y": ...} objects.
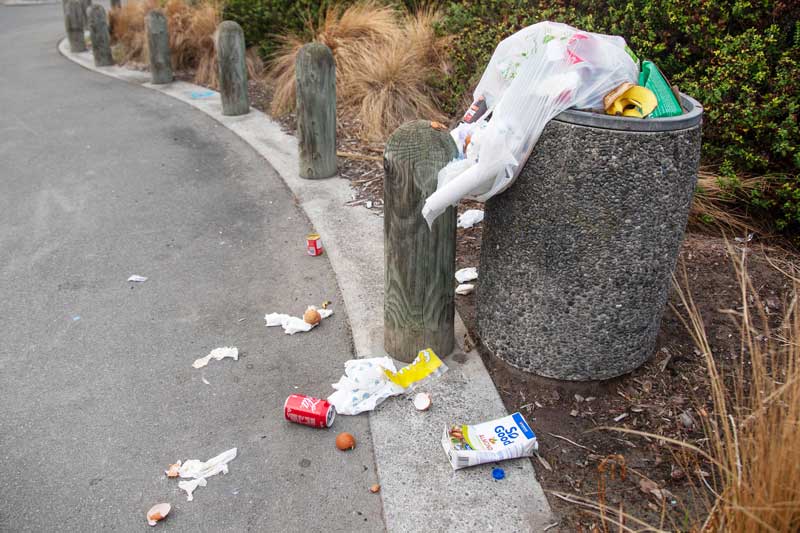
[{"x": 653, "y": 79}]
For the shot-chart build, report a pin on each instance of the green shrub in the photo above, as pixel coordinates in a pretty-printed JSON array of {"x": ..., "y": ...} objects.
[{"x": 262, "y": 20}]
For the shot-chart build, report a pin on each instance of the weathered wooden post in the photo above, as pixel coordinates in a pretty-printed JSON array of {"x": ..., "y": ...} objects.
[
  {"x": 73, "y": 23},
  {"x": 419, "y": 262},
  {"x": 232, "y": 69},
  {"x": 158, "y": 43},
  {"x": 101, "y": 41},
  {"x": 116, "y": 4},
  {"x": 315, "y": 73},
  {"x": 85, "y": 4}
]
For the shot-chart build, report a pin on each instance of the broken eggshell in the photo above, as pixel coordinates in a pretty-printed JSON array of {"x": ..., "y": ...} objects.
[
  {"x": 422, "y": 401},
  {"x": 158, "y": 512}
]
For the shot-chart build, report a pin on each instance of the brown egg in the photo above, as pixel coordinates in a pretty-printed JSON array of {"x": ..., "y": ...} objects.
[
  {"x": 345, "y": 441},
  {"x": 311, "y": 316}
]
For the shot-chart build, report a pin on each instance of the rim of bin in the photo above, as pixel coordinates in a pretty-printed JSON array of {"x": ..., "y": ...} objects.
[{"x": 692, "y": 116}]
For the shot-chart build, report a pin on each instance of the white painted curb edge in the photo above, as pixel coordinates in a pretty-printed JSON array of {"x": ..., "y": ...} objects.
[{"x": 433, "y": 498}]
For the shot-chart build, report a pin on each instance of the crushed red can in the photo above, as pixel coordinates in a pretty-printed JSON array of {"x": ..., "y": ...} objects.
[
  {"x": 309, "y": 411},
  {"x": 314, "y": 244}
]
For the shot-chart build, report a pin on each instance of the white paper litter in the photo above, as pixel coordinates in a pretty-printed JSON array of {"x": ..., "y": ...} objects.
[
  {"x": 137, "y": 278},
  {"x": 465, "y": 288},
  {"x": 533, "y": 75},
  {"x": 364, "y": 386},
  {"x": 199, "y": 471},
  {"x": 190, "y": 485},
  {"x": 466, "y": 274},
  {"x": 469, "y": 218},
  {"x": 218, "y": 354},
  {"x": 293, "y": 324}
]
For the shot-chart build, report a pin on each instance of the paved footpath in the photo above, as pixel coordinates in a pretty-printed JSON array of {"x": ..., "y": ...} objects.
[{"x": 100, "y": 180}]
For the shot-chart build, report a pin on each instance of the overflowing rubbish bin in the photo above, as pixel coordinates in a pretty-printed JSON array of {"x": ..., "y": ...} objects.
[{"x": 578, "y": 253}]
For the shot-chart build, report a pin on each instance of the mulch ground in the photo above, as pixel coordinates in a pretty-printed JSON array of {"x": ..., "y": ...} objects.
[{"x": 666, "y": 396}]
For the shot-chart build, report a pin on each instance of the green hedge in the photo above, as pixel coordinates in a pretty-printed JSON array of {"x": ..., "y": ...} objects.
[{"x": 739, "y": 58}]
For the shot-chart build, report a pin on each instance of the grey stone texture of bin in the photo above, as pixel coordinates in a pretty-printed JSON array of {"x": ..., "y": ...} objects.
[{"x": 577, "y": 254}]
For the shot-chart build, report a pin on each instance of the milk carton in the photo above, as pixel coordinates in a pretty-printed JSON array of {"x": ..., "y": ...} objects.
[{"x": 505, "y": 438}]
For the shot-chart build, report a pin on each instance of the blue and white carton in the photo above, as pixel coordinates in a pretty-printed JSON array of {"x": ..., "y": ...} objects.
[{"x": 505, "y": 438}]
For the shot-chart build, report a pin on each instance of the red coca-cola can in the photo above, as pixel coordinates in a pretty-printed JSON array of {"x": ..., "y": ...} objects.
[
  {"x": 309, "y": 411},
  {"x": 314, "y": 244}
]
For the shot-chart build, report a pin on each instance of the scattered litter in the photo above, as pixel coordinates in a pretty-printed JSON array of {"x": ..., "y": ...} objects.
[
  {"x": 744, "y": 239},
  {"x": 204, "y": 380},
  {"x": 190, "y": 485},
  {"x": 137, "y": 278},
  {"x": 505, "y": 438},
  {"x": 574, "y": 412},
  {"x": 364, "y": 385},
  {"x": 309, "y": 411},
  {"x": 374, "y": 489},
  {"x": 292, "y": 324},
  {"x": 469, "y": 218},
  {"x": 466, "y": 274},
  {"x": 368, "y": 382},
  {"x": 76, "y": 318},
  {"x": 422, "y": 401},
  {"x": 345, "y": 441},
  {"x": 157, "y": 513},
  {"x": 218, "y": 354},
  {"x": 196, "y": 95},
  {"x": 241, "y": 320},
  {"x": 498, "y": 473},
  {"x": 311, "y": 316},
  {"x": 465, "y": 288},
  {"x": 621, "y": 417},
  {"x": 368, "y": 204},
  {"x": 199, "y": 471},
  {"x": 173, "y": 470},
  {"x": 314, "y": 244}
]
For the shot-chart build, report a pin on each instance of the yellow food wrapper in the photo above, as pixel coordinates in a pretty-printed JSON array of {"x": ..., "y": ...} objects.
[{"x": 426, "y": 365}]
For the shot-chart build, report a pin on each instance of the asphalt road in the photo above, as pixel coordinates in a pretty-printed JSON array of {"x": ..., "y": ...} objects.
[{"x": 100, "y": 180}]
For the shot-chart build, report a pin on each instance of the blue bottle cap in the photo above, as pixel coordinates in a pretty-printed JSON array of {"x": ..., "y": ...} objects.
[{"x": 498, "y": 473}]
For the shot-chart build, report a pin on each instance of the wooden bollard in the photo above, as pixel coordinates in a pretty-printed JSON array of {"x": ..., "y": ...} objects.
[
  {"x": 158, "y": 43},
  {"x": 101, "y": 41},
  {"x": 232, "y": 69},
  {"x": 116, "y": 4},
  {"x": 85, "y": 5},
  {"x": 73, "y": 23},
  {"x": 315, "y": 73},
  {"x": 419, "y": 291}
]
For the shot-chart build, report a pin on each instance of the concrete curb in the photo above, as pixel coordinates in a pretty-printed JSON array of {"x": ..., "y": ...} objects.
[{"x": 419, "y": 489}]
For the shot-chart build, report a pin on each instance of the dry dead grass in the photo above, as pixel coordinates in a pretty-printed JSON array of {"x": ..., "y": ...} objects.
[
  {"x": 752, "y": 448},
  {"x": 714, "y": 205},
  {"x": 385, "y": 60},
  {"x": 192, "y": 37}
]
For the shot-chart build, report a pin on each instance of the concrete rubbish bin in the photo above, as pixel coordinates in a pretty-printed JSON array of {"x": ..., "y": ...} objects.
[{"x": 577, "y": 254}]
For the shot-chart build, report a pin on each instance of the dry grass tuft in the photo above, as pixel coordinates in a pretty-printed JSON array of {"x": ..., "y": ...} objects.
[
  {"x": 385, "y": 62},
  {"x": 754, "y": 429},
  {"x": 714, "y": 205},
  {"x": 192, "y": 37}
]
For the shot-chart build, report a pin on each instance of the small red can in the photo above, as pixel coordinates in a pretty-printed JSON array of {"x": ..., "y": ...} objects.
[
  {"x": 309, "y": 411},
  {"x": 314, "y": 244}
]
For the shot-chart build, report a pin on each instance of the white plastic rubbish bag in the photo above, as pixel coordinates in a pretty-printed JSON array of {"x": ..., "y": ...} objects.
[
  {"x": 364, "y": 386},
  {"x": 532, "y": 76}
]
